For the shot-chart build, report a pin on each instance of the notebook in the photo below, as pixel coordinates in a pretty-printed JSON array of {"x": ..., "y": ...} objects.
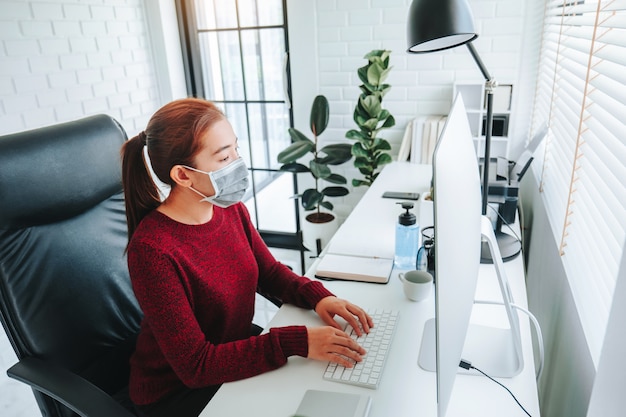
[
  {"x": 354, "y": 268},
  {"x": 333, "y": 404}
]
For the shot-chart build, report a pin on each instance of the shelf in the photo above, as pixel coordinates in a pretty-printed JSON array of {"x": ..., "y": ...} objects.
[{"x": 474, "y": 98}]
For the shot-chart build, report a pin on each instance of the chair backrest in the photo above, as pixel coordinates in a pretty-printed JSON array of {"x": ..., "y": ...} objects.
[{"x": 65, "y": 292}]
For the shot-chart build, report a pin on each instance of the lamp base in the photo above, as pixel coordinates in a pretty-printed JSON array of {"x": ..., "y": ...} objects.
[{"x": 509, "y": 247}]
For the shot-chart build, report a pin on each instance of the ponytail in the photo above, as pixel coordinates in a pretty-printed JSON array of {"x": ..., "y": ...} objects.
[
  {"x": 141, "y": 194},
  {"x": 173, "y": 137}
]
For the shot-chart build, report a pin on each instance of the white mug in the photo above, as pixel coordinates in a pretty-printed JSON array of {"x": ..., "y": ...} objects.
[{"x": 417, "y": 284}]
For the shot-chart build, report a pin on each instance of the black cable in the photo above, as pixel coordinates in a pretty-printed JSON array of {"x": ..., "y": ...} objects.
[{"x": 467, "y": 365}]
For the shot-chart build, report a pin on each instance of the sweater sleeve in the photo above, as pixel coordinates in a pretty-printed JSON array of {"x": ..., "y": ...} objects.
[
  {"x": 181, "y": 342},
  {"x": 277, "y": 279}
]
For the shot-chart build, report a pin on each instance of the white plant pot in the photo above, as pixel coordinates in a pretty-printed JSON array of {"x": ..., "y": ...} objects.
[{"x": 323, "y": 231}]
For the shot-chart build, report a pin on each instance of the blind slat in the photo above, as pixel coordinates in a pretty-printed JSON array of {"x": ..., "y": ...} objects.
[{"x": 581, "y": 85}]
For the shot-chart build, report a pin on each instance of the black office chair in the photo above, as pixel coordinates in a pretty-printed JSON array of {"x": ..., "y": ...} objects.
[{"x": 66, "y": 302}]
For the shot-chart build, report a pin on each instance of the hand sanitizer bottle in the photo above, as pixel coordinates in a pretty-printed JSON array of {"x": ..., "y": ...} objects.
[{"x": 407, "y": 239}]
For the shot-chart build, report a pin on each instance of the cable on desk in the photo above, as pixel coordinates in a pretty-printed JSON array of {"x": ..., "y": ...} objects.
[{"x": 468, "y": 365}]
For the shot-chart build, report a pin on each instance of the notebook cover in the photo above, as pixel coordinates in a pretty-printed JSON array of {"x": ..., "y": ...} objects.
[{"x": 354, "y": 268}]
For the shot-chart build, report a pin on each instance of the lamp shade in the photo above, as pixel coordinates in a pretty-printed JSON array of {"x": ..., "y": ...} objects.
[{"x": 435, "y": 25}]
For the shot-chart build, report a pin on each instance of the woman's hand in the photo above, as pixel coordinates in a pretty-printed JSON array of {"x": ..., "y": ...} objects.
[
  {"x": 330, "y": 306},
  {"x": 333, "y": 345}
]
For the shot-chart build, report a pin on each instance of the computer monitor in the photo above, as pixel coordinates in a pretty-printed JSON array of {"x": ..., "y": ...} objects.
[{"x": 459, "y": 228}]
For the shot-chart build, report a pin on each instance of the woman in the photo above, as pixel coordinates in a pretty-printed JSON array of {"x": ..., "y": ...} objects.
[{"x": 196, "y": 261}]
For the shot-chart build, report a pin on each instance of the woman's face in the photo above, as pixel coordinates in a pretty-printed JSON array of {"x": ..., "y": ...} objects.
[{"x": 218, "y": 149}]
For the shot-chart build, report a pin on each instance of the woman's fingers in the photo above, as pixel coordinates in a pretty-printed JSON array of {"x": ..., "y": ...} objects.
[{"x": 330, "y": 344}]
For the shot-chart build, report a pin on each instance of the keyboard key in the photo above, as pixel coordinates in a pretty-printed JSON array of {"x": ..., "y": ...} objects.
[{"x": 368, "y": 372}]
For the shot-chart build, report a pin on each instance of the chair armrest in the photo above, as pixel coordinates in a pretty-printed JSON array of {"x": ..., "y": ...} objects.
[{"x": 71, "y": 390}]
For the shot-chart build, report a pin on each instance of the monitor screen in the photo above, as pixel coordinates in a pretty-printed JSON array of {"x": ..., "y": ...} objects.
[
  {"x": 459, "y": 230},
  {"x": 457, "y": 215}
]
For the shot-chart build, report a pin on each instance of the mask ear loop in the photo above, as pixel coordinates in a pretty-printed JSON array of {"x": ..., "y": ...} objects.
[
  {"x": 208, "y": 174},
  {"x": 157, "y": 183}
]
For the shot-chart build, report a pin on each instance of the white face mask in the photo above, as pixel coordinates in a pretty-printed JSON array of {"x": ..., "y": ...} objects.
[{"x": 230, "y": 183}]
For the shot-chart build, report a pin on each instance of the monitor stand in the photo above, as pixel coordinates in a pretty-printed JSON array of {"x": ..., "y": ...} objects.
[
  {"x": 509, "y": 247},
  {"x": 494, "y": 350}
]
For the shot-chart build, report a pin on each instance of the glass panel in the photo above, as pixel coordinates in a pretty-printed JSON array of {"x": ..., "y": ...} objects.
[
  {"x": 270, "y": 14},
  {"x": 263, "y": 55},
  {"x": 268, "y": 133},
  {"x": 273, "y": 205},
  {"x": 216, "y": 14},
  {"x": 236, "y": 115},
  {"x": 221, "y": 63}
]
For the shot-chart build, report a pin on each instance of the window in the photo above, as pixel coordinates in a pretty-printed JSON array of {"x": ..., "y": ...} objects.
[
  {"x": 237, "y": 58},
  {"x": 581, "y": 94}
]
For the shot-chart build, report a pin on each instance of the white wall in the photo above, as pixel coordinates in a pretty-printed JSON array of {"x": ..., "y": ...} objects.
[
  {"x": 608, "y": 390},
  {"x": 62, "y": 60},
  {"x": 334, "y": 35},
  {"x": 568, "y": 375},
  {"x": 65, "y": 59}
]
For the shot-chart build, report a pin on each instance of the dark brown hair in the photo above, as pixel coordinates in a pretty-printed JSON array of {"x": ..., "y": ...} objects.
[{"x": 172, "y": 138}]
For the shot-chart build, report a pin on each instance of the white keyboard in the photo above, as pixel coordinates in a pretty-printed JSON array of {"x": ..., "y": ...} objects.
[{"x": 368, "y": 372}]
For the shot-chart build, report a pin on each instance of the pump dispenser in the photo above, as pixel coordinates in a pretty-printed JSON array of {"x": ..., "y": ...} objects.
[{"x": 407, "y": 238}]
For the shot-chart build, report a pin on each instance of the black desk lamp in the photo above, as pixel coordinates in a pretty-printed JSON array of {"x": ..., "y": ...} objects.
[{"x": 436, "y": 25}]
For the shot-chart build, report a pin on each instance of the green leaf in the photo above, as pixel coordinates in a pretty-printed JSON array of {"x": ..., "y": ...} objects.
[
  {"x": 375, "y": 73},
  {"x": 355, "y": 134},
  {"x": 391, "y": 121},
  {"x": 362, "y": 73},
  {"x": 358, "y": 183},
  {"x": 319, "y": 115},
  {"x": 358, "y": 150},
  {"x": 370, "y": 124},
  {"x": 381, "y": 145},
  {"x": 373, "y": 53},
  {"x": 327, "y": 204},
  {"x": 319, "y": 170},
  {"x": 295, "y": 151},
  {"x": 383, "y": 76},
  {"x": 336, "y": 179},
  {"x": 383, "y": 89},
  {"x": 311, "y": 198},
  {"x": 337, "y": 154},
  {"x": 383, "y": 158},
  {"x": 367, "y": 170},
  {"x": 358, "y": 119},
  {"x": 297, "y": 136},
  {"x": 335, "y": 191},
  {"x": 361, "y": 162},
  {"x": 295, "y": 167},
  {"x": 384, "y": 56},
  {"x": 371, "y": 105}
]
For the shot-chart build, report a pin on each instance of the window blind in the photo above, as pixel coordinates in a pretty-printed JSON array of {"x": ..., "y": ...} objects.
[{"x": 581, "y": 94}]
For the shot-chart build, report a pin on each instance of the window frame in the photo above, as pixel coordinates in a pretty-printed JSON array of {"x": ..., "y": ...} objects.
[{"x": 192, "y": 63}]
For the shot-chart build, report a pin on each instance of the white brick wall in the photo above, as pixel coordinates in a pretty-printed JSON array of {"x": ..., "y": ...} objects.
[
  {"x": 422, "y": 84},
  {"x": 66, "y": 59}
]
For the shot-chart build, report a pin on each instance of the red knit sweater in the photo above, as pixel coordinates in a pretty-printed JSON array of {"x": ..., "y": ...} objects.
[{"x": 196, "y": 286}]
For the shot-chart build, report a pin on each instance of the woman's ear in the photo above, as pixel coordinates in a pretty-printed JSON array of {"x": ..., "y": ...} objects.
[{"x": 179, "y": 175}]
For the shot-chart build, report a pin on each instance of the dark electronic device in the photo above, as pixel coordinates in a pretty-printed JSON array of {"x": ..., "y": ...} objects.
[{"x": 399, "y": 195}]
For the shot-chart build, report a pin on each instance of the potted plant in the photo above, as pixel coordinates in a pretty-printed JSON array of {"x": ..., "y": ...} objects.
[
  {"x": 313, "y": 199},
  {"x": 371, "y": 151}
]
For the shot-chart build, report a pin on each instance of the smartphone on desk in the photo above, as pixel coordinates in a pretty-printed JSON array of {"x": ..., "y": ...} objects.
[{"x": 400, "y": 195}]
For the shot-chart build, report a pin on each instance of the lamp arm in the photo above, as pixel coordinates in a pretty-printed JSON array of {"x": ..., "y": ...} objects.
[
  {"x": 490, "y": 84},
  {"x": 479, "y": 62}
]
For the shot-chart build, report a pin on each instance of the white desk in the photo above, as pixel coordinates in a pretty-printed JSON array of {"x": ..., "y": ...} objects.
[{"x": 405, "y": 389}]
